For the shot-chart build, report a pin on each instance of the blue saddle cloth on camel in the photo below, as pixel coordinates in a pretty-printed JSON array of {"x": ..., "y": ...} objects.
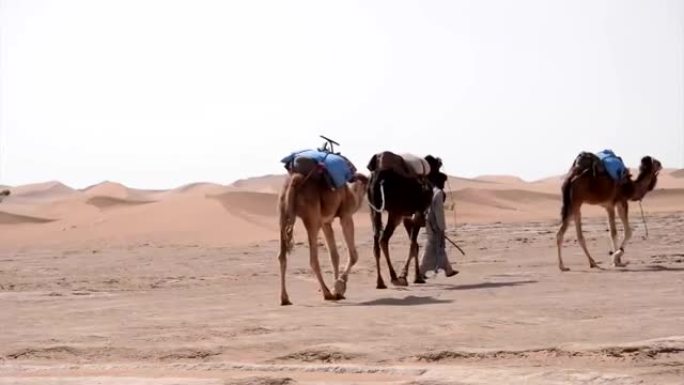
[
  {"x": 338, "y": 167},
  {"x": 613, "y": 165}
]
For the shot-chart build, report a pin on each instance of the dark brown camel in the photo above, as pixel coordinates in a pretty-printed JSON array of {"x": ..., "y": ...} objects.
[
  {"x": 311, "y": 199},
  {"x": 396, "y": 187},
  {"x": 587, "y": 182}
]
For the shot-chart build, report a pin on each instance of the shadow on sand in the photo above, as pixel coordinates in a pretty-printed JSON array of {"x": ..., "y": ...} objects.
[
  {"x": 410, "y": 300},
  {"x": 486, "y": 285},
  {"x": 646, "y": 269}
]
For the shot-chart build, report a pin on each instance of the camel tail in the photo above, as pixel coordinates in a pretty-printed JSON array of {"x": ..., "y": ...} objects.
[
  {"x": 288, "y": 215},
  {"x": 375, "y": 213},
  {"x": 566, "y": 190}
]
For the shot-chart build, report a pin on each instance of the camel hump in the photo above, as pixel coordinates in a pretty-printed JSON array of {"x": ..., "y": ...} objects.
[
  {"x": 613, "y": 165},
  {"x": 314, "y": 162},
  {"x": 418, "y": 165},
  {"x": 405, "y": 164}
]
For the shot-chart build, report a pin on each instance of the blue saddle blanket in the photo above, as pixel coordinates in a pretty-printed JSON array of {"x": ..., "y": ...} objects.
[
  {"x": 338, "y": 167},
  {"x": 613, "y": 164}
]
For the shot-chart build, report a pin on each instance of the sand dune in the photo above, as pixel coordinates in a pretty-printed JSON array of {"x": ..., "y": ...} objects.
[
  {"x": 200, "y": 188},
  {"x": 111, "y": 202},
  {"x": 503, "y": 179},
  {"x": 678, "y": 173},
  {"x": 209, "y": 213},
  {"x": 264, "y": 184},
  {"x": 119, "y": 191},
  {"x": 7, "y": 218},
  {"x": 46, "y": 191},
  {"x": 254, "y": 203}
]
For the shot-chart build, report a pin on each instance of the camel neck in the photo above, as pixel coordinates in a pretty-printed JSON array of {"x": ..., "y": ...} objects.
[{"x": 643, "y": 184}]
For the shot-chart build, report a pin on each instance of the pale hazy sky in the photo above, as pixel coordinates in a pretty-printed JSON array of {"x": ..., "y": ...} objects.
[{"x": 162, "y": 93}]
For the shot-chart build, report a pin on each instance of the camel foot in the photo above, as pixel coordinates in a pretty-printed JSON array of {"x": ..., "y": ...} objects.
[
  {"x": 380, "y": 285},
  {"x": 401, "y": 281},
  {"x": 617, "y": 258},
  {"x": 452, "y": 273},
  {"x": 285, "y": 302},
  {"x": 419, "y": 279},
  {"x": 340, "y": 287},
  {"x": 339, "y": 296},
  {"x": 563, "y": 268},
  {"x": 594, "y": 265}
]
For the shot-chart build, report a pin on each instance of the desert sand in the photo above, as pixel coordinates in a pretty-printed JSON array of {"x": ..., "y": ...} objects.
[{"x": 116, "y": 285}]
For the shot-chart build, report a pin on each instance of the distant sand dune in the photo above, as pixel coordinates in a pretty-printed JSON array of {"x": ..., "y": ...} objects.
[
  {"x": 246, "y": 211},
  {"x": 45, "y": 191},
  {"x": 18, "y": 219},
  {"x": 265, "y": 184},
  {"x": 200, "y": 188},
  {"x": 507, "y": 179},
  {"x": 109, "y": 202},
  {"x": 264, "y": 204},
  {"x": 117, "y": 190}
]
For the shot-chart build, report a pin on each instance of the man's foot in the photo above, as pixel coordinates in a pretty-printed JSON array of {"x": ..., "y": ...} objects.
[{"x": 451, "y": 273}]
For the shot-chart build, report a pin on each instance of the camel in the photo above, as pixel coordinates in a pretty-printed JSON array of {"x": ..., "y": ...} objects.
[
  {"x": 587, "y": 182},
  {"x": 405, "y": 193},
  {"x": 4, "y": 194},
  {"x": 317, "y": 205}
]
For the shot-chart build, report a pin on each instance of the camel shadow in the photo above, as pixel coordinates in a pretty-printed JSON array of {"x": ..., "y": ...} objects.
[
  {"x": 410, "y": 300},
  {"x": 646, "y": 269},
  {"x": 486, "y": 285}
]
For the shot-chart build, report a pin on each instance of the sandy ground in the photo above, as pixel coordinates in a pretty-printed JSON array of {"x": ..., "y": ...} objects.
[{"x": 140, "y": 291}]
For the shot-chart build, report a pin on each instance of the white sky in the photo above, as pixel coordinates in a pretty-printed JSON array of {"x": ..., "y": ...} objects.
[{"x": 163, "y": 93}]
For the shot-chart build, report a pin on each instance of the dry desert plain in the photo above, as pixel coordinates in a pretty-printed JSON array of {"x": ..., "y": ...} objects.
[{"x": 115, "y": 285}]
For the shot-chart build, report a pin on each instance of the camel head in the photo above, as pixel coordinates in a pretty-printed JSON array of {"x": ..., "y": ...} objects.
[
  {"x": 435, "y": 177},
  {"x": 434, "y": 162},
  {"x": 358, "y": 186},
  {"x": 647, "y": 178}
]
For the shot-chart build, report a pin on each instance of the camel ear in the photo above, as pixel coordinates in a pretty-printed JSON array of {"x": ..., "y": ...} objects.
[
  {"x": 647, "y": 161},
  {"x": 372, "y": 163},
  {"x": 657, "y": 164}
]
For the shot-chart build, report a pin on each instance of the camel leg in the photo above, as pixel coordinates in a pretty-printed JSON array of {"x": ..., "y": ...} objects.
[
  {"x": 282, "y": 258},
  {"x": 559, "y": 242},
  {"x": 392, "y": 223},
  {"x": 613, "y": 229},
  {"x": 412, "y": 229},
  {"x": 581, "y": 240},
  {"x": 623, "y": 211},
  {"x": 347, "y": 224},
  {"x": 332, "y": 249},
  {"x": 408, "y": 225},
  {"x": 414, "y": 250},
  {"x": 312, "y": 230},
  {"x": 376, "y": 220}
]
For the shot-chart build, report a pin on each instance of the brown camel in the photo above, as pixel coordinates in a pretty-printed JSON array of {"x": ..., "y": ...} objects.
[
  {"x": 4, "y": 194},
  {"x": 587, "y": 182},
  {"x": 312, "y": 200}
]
